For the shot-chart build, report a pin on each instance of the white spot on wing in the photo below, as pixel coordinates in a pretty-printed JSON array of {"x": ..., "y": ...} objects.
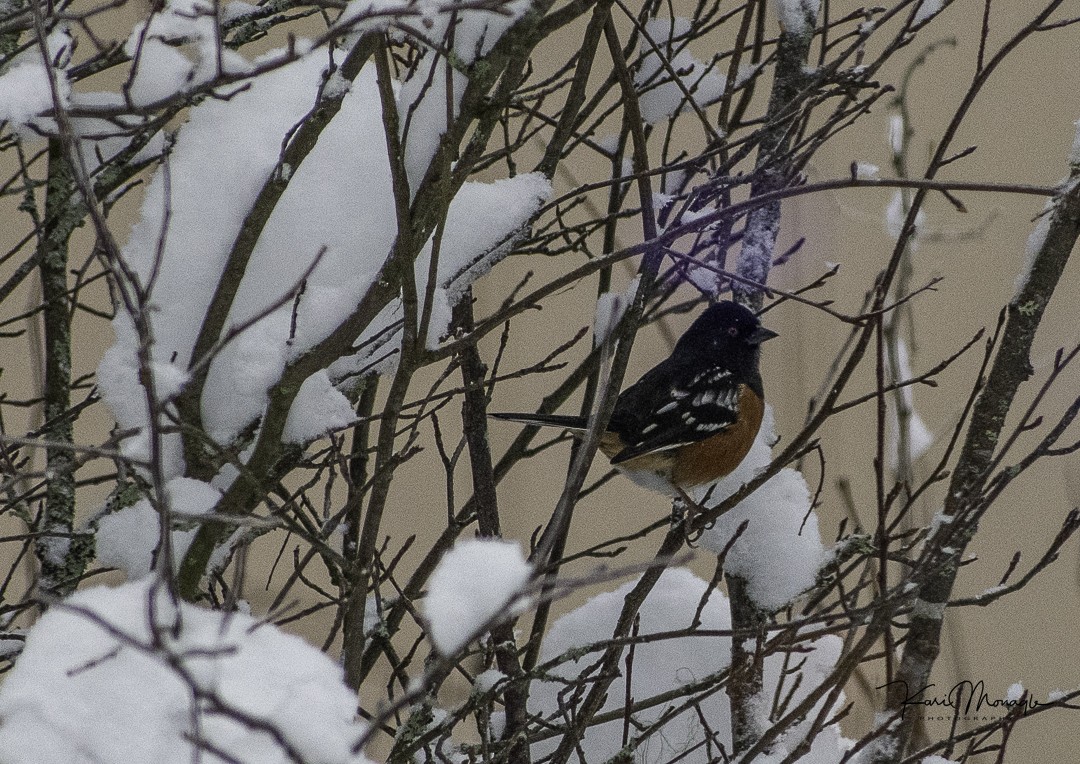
[
  {"x": 710, "y": 376},
  {"x": 704, "y": 399}
]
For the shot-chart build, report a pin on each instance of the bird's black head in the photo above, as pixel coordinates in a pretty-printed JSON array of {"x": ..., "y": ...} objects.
[{"x": 726, "y": 331}]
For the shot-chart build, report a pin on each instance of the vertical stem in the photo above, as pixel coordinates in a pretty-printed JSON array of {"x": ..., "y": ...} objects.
[
  {"x": 363, "y": 568},
  {"x": 474, "y": 422},
  {"x": 964, "y": 501},
  {"x": 62, "y": 557},
  {"x": 771, "y": 172},
  {"x": 745, "y": 685},
  {"x": 358, "y": 477},
  {"x": 759, "y": 243},
  {"x": 592, "y": 384},
  {"x": 399, "y": 271}
]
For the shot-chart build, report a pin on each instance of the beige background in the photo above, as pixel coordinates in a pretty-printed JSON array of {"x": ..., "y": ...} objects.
[{"x": 1023, "y": 127}]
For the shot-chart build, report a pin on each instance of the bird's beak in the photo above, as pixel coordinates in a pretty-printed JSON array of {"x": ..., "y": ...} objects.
[{"x": 760, "y": 334}]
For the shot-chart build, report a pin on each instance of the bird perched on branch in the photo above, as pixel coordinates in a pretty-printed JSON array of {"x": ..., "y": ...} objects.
[{"x": 691, "y": 419}]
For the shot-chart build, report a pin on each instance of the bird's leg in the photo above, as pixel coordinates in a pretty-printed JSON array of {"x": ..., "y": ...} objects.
[{"x": 684, "y": 510}]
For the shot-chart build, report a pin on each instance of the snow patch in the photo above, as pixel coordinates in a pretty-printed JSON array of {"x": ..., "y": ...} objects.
[
  {"x": 106, "y": 653},
  {"x": 919, "y": 437},
  {"x": 26, "y": 93},
  {"x": 610, "y": 308},
  {"x": 665, "y": 665},
  {"x": 473, "y": 583},
  {"x": 867, "y": 171},
  {"x": 317, "y": 409},
  {"x": 927, "y": 8},
  {"x": 661, "y": 96},
  {"x": 126, "y": 539},
  {"x": 322, "y": 249},
  {"x": 780, "y": 553},
  {"x": 798, "y": 17},
  {"x": 432, "y": 91}
]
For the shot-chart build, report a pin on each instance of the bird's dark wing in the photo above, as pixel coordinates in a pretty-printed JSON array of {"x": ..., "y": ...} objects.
[{"x": 673, "y": 405}]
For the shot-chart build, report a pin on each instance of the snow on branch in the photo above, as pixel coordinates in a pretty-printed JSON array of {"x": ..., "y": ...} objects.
[
  {"x": 669, "y": 76},
  {"x": 120, "y": 675},
  {"x": 326, "y": 243},
  {"x": 779, "y": 553},
  {"x": 475, "y": 583},
  {"x": 676, "y": 674}
]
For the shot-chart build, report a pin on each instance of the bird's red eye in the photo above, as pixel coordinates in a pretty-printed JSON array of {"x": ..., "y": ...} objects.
[{"x": 732, "y": 331}]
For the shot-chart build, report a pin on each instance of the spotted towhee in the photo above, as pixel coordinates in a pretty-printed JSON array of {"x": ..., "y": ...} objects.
[{"x": 692, "y": 418}]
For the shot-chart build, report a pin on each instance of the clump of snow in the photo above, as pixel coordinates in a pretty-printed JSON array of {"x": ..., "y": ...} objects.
[
  {"x": 334, "y": 224},
  {"x": 896, "y": 133},
  {"x": 1033, "y": 246},
  {"x": 867, "y": 171},
  {"x": 221, "y": 158},
  {"x": 609, "y": 142},
  {"x": 339, "y": 198},
  {"x": 485, "y": 680},
  {"x": 473, "y": 583},
  {"x": 161, "y": 68},
  {"x": 746, "y": 72},
  {"x": 126, "y": 539},
  {"x": 934, "y": 759},
  {"x": 659, "y": 666},
  {"x": 661, "y": 97},
  {"x": 361, "y": 16},
  {"x": 101, "y": 140},
  {"x": 895, "y": 215},
  {"x": 118, "y": 366},
  {"x": 377, "y": 347},
  {"x": 610, "y": 308},
  {"x": 25, "y": 92},
  {"x": 1015, "y": 692},
  {"x": 234, "y": 10},
  {"x": 780, "y": 553},
  {"x": 108, "y": 677},
  {"x": 798, "y": 17},
  {"x": 336, "y": 85},
  {"x": 927, "y": 8},
  {"x": 25, "y": 89},
  {"x": 424, "y": 100},
  {"x": 919, "y": 437},
  {"x": 666, "y": 665},
  {"x": 921, "y": 608},
  {"x": 480, "y": 228},
  {"x": 319, "y": 408}
]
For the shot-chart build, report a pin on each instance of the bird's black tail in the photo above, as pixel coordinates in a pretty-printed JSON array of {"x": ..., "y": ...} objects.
[{"x": 543, "y": 420}]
